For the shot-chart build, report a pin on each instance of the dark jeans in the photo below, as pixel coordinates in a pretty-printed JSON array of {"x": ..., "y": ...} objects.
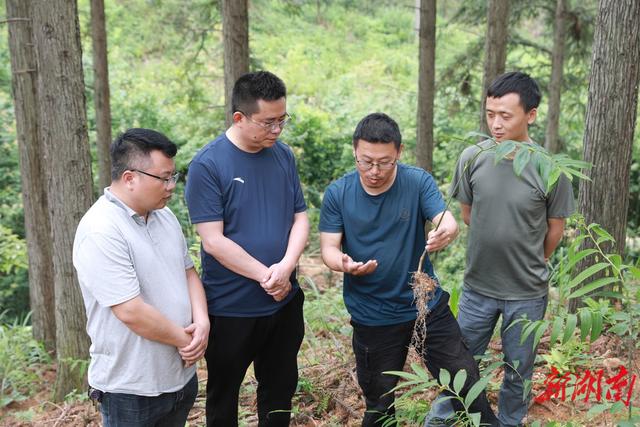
[
  {"x": 165, "y": 410},
  {"x": 384, "y": 348},
  {"x": 272, "y": 344}
]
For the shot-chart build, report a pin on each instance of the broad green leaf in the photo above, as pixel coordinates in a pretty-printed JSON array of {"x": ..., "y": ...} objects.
[
  {"x": 540, "y": 330},
  {"x": 475, "y": 419},
  {"x": 404, "y": 375},
  {"x": 458, "y": 380},
  {"x": 579, "y": 174},
  {"x": 635, "y": 272},
  {"x": 619, "y": 328},
  {"x": 615, "y": 260},
  {"x": 419, "y": 370},
  {"x": 597, "y": 228},
  {"x": 587, "y": 273},
  {"x": 445, "y": 377},
  {"x": 517, "y": 322},
  {"x": 610, "y": 294},
  {"x": 596, "y": 325},
  {"x": 503, "y": 149},
  {"x": 578, "y": 256},
  {"x": 543, "y": 165},
  {"x": 585, "y": 323},
  {"x": 553, "y": 178},
  {"x": 590, "y": 287},
  {"x": 476, "y": 389},
  {"x": 555, "y": 329},
  {"x": 572, "y": 320},
  {"x": 620, "y": 315},
  {"x": 443, "y": 398},
  {"x": 520, "y": 161},
  {"x": 526, "y": 331}
]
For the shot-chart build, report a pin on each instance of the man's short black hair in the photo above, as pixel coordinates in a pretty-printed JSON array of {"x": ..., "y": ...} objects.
[
  {"x": 251, "y": 87},
  {"x": 516, "y": 82},
  {"x": 131, "y": 148},
  {"x": 378, "y": 128}
]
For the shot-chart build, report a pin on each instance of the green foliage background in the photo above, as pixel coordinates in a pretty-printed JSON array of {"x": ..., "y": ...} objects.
[{"x": 341, "y": 59}]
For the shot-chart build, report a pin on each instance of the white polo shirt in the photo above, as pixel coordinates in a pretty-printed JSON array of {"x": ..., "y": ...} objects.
[{"x": 118, "y": 256}]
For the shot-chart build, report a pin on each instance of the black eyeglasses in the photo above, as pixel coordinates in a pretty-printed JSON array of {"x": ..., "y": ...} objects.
[
  {"x": 365, "y": 165},
  {"x": 167, "y": 181},
  {"x": 272, "y": 124}
]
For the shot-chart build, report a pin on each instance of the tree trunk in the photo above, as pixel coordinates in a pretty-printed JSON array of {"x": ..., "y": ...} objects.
[
  {"x": 235, "y": 30},
  {"x": 495, "y": 50},
  {"x": 32, "y": 173},
  {"x": 610, "y": 119},
  {"x": 101, "y": 93},
  {"x": 426, "y": 84},
  {"x": 552, "y": 141},
  {"x": 63, "y": 130}
]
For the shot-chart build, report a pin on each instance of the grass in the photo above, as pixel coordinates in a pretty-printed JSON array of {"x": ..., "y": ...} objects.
[{"x": 21, "y": 358}]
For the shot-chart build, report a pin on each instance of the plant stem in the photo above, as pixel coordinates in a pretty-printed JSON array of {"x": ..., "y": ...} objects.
[{"x": 450, "y": 198}]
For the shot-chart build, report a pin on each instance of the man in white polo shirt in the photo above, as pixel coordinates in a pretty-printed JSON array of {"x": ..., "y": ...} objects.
[{"x": 146, "y": 309}]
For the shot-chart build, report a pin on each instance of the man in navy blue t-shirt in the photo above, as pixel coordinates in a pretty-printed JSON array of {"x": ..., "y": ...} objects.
[
  {"x": 244, "y": 196},
  {"x": 372, "y": 229}
]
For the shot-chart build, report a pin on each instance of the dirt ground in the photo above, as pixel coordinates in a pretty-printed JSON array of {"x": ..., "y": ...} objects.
[{"x": 328, "y": 394}]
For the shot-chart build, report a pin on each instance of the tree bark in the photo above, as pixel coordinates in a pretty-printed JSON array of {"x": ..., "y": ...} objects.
[
  {"x": 611, "y": 119},
  {"x": 101, "y": 93},
  {"x": 426, "y": 84},
  {"x": 235, "y": 30},
  {"x": 552, "y": 141},
  {"x": 63, "y": 130},
  {"x": 495, "y": 50},
  {"x": 32, "y": 173}
]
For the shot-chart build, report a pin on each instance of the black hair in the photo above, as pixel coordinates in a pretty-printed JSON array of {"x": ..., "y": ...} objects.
[
  {"x": 378, "y": 128},
  {"x": 519, "y": 83},
  {"x": 134, "y": 145},
  {"x": 251, "y": 87}
]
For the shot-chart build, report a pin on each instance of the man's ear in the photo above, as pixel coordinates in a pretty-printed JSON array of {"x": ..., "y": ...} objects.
[
  {"x": 237, "y": 117},
  {"x": 127, "y": 178},
  {"x": 531, "y": 115},
  {"x": 400, "y": 150}
]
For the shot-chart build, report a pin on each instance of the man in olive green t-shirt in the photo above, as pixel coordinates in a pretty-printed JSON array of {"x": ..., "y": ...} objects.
[{"x": 514, "y": 227}]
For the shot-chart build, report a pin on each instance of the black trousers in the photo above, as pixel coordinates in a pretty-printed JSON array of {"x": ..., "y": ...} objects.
[
  {"x": 272, "y": 344},
  {"x": 384, "y": 348}
]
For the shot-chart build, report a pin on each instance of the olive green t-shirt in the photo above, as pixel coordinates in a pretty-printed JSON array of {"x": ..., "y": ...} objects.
[{"x": 505, "y": 253}]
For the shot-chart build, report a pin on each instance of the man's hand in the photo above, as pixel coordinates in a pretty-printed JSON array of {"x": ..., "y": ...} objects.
[
  {"x": 444, "y": 234},
  {"x": 439, "y": 239},
  {"x": 358, "y": 268},
  {"x": 277, "y": 283},
  {"x": 194, "y": 351}
]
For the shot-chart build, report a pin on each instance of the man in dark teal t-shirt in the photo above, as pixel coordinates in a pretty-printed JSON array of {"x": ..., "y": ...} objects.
[
  {"x": 244, "y": 196},
  {"x": 372, "y": 229}
]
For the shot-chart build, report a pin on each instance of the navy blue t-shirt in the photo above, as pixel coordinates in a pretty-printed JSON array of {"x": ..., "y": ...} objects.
[
  {"x": 389, "y": 228},
  {"x": 256, "y": 196}
]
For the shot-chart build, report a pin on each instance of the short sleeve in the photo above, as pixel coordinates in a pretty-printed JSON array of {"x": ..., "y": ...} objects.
[
  {"x": 106, "y": 269},
  {"x": 203, "y": 193},
  {"x": 299, "y": 204},
  {"x": 431, "y": 201},
  {"x": 461, "y": 183},
  {"x": 560, "y": 203},
  {"x": 331, "y": 213}
]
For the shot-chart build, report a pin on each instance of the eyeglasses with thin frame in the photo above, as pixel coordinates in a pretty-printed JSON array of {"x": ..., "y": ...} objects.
[
  {"x": 365, "y": 165},
  {"x": 167, "y": 181},
  {"x": 270, "y": 125}
]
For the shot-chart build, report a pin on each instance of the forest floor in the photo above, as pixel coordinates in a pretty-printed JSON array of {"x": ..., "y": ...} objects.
[{"x": 328, "y": 393}]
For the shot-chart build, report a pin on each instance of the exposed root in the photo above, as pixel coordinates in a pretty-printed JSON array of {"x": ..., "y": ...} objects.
[{"x": 423, "y": 289}]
